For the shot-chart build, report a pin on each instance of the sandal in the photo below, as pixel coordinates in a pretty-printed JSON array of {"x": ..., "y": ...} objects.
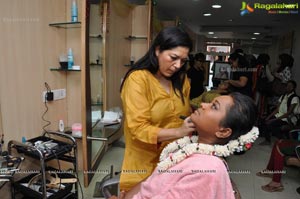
[
  {"x": 264, "y": 173},
  {"x": 269, "y": 188}
]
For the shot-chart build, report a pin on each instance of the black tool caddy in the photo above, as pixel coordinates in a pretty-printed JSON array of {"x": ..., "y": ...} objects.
[{"x": 49, "y": 146}]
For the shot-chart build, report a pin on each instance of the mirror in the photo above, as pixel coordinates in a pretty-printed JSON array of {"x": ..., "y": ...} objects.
[
  {"x": 96, "y": 73},
  {"x": 107, "y": 50},
  {"x": 94, "y": 141}
]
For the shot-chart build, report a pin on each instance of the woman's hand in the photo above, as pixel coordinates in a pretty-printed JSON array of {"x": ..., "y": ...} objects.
[
  {"x": 121, "y": 196},
  {"x": 186, "y": 128}
]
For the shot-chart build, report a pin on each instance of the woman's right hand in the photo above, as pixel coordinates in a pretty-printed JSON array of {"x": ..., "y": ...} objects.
[{"x": 186, "y": 128}]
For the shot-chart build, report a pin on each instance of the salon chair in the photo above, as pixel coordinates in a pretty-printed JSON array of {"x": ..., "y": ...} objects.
[{"x": 109, "y": 184}]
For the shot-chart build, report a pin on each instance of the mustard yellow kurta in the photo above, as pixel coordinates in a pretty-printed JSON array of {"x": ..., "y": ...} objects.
[{"x": 148, "y": 108}]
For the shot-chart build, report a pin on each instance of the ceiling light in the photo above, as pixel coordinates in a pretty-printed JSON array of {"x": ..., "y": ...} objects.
[
  {"x": 207, "y": 14},
  {"x": 216, "y": 6},
  {"x": 256, "y": 33},
  {"x": 211, "y": 33},
  {"x": 231, "y": 20},
  {"x": 215, "y": 37},
  {"x": 253, "y": 38}
]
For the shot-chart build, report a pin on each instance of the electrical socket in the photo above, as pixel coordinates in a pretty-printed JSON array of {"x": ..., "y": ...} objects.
[{"x": 57, "y": 94}]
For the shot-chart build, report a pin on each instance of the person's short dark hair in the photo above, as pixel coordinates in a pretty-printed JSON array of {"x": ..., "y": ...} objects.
[
  {"x": 263, "y": 59},
  {"x": 199, "y": 57},
  {"x": 239, "y": 50},
  {"x": 286, "y": 60},
  {"x": 242, "y": 61},
  {"x": 241, "y": 116}
]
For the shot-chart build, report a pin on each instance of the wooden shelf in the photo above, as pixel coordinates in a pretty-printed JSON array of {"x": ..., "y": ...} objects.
[{"x": 66, "y": 25}]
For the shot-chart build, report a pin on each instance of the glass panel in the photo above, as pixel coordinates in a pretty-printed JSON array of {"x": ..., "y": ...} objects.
[{"x": 96, "y": 78}]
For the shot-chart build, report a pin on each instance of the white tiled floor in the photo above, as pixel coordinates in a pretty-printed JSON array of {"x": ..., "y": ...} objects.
[
  {"x": 250, "y": 185},
  {"x": 245, "y": 166}
]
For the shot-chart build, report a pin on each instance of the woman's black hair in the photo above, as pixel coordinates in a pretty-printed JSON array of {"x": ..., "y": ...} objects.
[
  {"x": 242, "y": 61},
  {"x": 241, "y": 116},
  {"x": 168, "y": 38},
  {"x": 263, "y": 59},
  {"x": 286, "y": 60}
]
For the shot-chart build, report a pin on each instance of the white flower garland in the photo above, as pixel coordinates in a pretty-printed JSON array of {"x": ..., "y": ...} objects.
[{"x": 180, "y": 149}]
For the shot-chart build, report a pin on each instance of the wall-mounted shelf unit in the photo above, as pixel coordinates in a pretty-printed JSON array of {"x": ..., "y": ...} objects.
[
  {"x": 98, "y": 36},
  {"x": 131, "y": 37},
  {"x": 66, "y": 25},
  {"x": 93, "y": 64},
  {"x": 61, "y": 69},
  {"x": 97, "y": 104}
]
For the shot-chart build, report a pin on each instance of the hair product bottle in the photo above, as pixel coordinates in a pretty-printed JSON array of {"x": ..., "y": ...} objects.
[
  {"x": 70, "y": 59},
  {"x": 74, "y": 11}
]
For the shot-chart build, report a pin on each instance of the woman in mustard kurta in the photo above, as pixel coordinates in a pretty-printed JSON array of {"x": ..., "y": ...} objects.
[{"x": 155, "y": 92}]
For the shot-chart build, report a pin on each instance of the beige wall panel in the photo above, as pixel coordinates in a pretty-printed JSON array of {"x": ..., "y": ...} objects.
[
  {"x": 139, "y": 29},
  {"x": 31, "y": 47},
  {"x": 118, "y": 54},
  {"x": 139, "y": 20}
]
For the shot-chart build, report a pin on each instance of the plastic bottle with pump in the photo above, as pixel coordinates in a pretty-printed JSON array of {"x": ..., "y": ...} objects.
[
  {"x": 74, "y": 11},
  {"x": 70, "y": 59}
]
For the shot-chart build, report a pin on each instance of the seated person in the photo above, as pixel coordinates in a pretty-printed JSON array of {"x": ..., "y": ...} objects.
[
  {"x": 191, "y": 167},
  {"x": 283, "y": 115},
  {"x": 208, "y": 96},
  {"x": 274, "y": 170}
]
